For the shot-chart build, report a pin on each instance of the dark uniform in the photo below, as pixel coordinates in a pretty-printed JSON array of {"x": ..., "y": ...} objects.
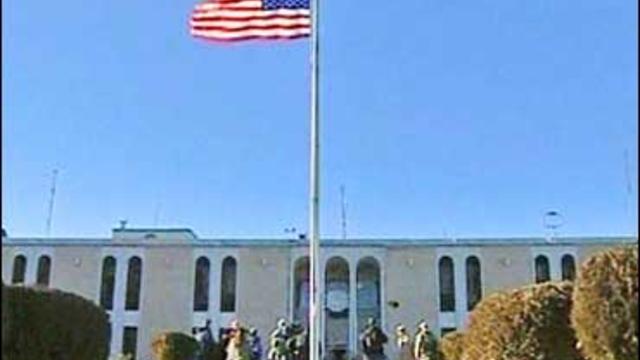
[{"x": 373, "y": 340}]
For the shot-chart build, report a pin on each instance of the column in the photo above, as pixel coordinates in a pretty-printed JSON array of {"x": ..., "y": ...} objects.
[{"x": 353, "y": 307}]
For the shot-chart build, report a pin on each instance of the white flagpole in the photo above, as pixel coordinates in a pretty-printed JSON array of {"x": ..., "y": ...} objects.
[{"x": 315, "y": 307}]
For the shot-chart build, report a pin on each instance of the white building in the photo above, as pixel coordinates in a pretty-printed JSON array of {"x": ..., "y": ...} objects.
[{"x": 154, "y": 280}]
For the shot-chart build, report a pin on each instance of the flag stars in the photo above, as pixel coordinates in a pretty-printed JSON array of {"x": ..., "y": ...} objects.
[{"x": 285, "y": 4}]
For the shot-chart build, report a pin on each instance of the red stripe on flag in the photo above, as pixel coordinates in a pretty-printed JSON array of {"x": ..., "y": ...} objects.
[
  {"x": 253, "y": 37},
  {"x": 249, "y": 27}
]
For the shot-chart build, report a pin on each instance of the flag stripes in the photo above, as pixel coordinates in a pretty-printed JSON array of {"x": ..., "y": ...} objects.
[{"x": 236, "y": 20}]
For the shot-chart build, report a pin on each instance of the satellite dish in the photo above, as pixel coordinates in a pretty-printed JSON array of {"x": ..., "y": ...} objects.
[{"x": 553, "y": 220}]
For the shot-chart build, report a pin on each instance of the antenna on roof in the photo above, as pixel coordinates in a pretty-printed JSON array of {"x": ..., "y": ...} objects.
[
  {"x": 552, "y": 221},
  {"x": 343, "y": 212},
  {"x": 628, "y": 185},
  {"x": 51, "y": 200}
]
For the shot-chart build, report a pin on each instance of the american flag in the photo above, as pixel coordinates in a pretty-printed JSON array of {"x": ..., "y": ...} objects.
[{"x": 236, "y": 20}]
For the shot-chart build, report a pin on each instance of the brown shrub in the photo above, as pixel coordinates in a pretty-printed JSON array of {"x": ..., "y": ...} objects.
[
  {"x": 605, "y": 311},
  {"x": 530, "y": 323},
  {"x": 451, "y": 346},
  {"x": 174, "y": 346}
]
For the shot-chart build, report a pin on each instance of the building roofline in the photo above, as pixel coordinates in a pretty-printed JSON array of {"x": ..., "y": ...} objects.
[
  {"x": 153, "y": 230},
  {"x": 282, "y": 242}
]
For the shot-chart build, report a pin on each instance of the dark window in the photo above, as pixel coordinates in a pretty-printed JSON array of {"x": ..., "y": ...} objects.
[
  {"x": 109, "y": 335},
  {"x": 447, "y": 285},
  {"x": 134, "y": 275},
  {"x": 129, "y": 341},
  {"x": 445, "y": 330},
  {"x": 108, "y": 282},
  {"x": 542, "y": 269},
  {"x": 19, "y": 269},
  {"x": 44, "y": 270},
  {"x": 568, "y": 268},
  {"x": 228, "y": 285},
  {"x": 474, "y": 282},
  {"x": 201, "y": 288},
  {"x": 301, "y": 291}
]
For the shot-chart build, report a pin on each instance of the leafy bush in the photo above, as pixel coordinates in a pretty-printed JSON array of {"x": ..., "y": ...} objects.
[
  {"x": 44, "y": 324},
  {"x": 530, "y": 323},
  {"x": 451, "y": 346},
  {"x": 174, "y": 346},
  {"x": 605, "y": 312}
]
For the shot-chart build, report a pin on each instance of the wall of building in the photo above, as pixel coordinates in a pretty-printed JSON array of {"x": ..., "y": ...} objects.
[
  {"x": 263, "y": 287},
  {"x": 409, "y": 275},
  {"x": 7, "y": 263},
  {"x": 166, "y": 294},
  {"x": 505, "y": 267},
  {"x": 410, "y": 281},
  {"x": 77, "y": 269}
]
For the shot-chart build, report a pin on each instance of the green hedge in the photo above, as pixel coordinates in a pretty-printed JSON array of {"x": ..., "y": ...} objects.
[
  {"x": 605, "y": 312},
  {"x": 48, "y": 324},
  {"x": 174, "y": 346},
  {"x": 451, "y": 346},
  {"x": 530, "y": 323}
]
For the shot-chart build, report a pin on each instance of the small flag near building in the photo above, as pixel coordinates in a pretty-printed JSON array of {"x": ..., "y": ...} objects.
[{"x": 237, "y": 20}]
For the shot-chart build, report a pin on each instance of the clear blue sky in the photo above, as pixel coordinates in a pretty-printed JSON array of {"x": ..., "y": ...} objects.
[{"x": 464, "y": 118}]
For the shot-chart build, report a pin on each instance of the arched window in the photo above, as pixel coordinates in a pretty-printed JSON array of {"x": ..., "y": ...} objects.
[
  {"x": 19, "y": 269},
  {"x": 130, "y": 341},
  {"x": 44, "y": 270},
  {"x": 228, "y": 285},
  {"x": 568, "y": 268},
  {"x": 542, "y": 269},
  {"x": 447, "y": 284},
  {"x": 134, "y": 277},
  {"x": 201, "y": 288},
  {"x": 474, "y": 282},
  {"x": 367, "y": 292},
  {"x": 301, "y": 290},
  {"x": 337, "y": 302},
  {"x": 108, "y": 282}
]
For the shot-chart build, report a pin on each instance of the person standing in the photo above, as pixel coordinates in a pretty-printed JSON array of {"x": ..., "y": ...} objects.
[
  {"x": 425, "y": 346},
  {"x": 295, "y": 343},
  {"x": 373, "y": 340},
  {"x": 255, "y": 344},
  {"x": 278, "y": 341},
  {"x": 237, "y": 346},
  {"x": 403, "y": 342}
]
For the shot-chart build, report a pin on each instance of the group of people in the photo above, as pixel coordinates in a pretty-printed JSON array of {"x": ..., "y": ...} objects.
[
  {"x": 236, "y": 343},
  {"x": 291, "y": 342},
  {"x": 286, "y": 342},
  {"x": 423, "y": 345}
]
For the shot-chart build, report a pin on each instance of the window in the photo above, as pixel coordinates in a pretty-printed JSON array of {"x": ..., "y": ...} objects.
[
  {"x": 568, "y": 268},
  {"x": 19, "y": 269},
  {"x": 201, "y": 288},
  {"x": 447, "y": 284},
  {"x": 542, "y": 269},
  {"x": 367, "y": 292},
  {"x": 134, "y": 274},
  {"x": 474, "y": 282},
  {"x": 129, "y": 341},
  {"x": 109, "y": 334},
  {"x": 108, "y": 282},
  {"x": 445, "y": 330},
  {"x": 301, "y": 290},
  {"x": 228, "y": 285},
  {"x": 44, "y": 270}
]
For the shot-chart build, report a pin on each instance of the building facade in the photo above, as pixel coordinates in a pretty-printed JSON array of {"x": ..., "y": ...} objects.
[{"x": 155, "y": 280}]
